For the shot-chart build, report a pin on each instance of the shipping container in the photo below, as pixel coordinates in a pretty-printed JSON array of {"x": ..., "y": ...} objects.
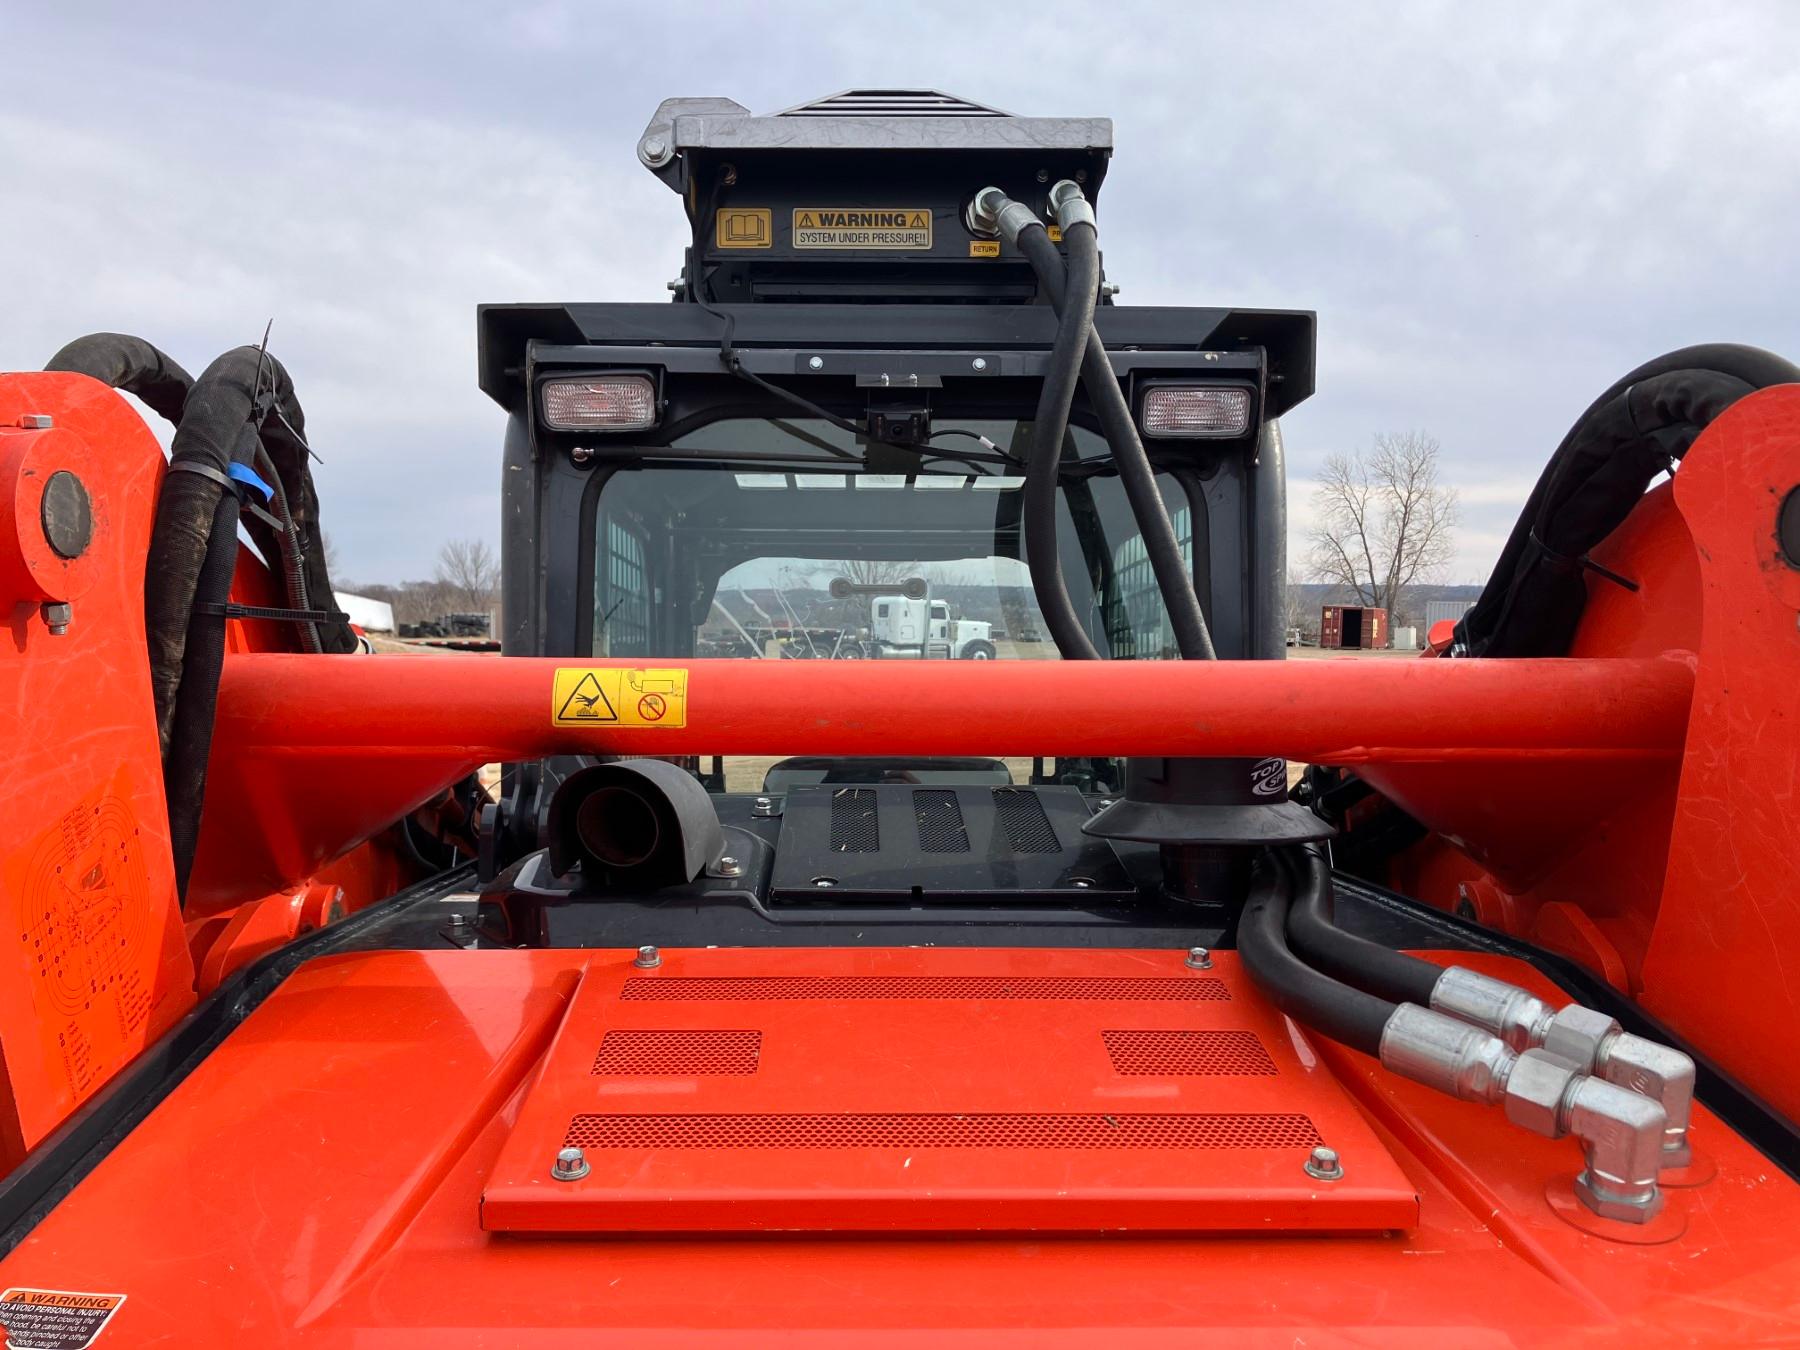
[{"x": 1355, "y": 627}]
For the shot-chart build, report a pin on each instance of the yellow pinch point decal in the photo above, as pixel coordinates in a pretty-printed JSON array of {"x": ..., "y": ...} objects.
[{"x": 618, "y": 696}]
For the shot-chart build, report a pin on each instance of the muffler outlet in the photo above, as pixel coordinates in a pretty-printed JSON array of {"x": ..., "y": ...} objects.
[{"x": 643, "y": 823}]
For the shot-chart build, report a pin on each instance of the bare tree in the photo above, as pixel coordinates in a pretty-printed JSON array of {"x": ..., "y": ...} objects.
[
  {"x": 1385, "y": 522},
  {"x": 469, "y": 572},
  {"x": 879, "y": 571}
]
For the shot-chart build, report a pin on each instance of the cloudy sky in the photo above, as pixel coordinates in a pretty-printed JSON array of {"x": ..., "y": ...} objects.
[{"x": 1495, "y": 209}]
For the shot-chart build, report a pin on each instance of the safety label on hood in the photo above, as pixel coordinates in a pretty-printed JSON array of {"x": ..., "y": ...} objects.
[
  {"x": 859, "y": 227},
  {"x": 55, "y": 1319}
]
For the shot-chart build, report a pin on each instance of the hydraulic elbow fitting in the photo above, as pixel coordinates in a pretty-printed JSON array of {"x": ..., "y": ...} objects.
[
  {"x": 991, "y": 212},
  {"x": 1621, "y": 1131},
  {"x": 1071, "y": 204},
  {"x": 1590, "y": 1041}
]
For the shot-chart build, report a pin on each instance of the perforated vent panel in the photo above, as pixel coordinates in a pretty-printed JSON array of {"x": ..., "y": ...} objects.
[
  {"x": 854, "y": 826},
  {"x": 701, "y": 1054},
  {"x": 1188, "y": 1053},
  {"x": 942, "y": 1130},
  {"x": 940, "y": 819},
  {"x": 705, "y": 989},
  {"x": 1022, "y": 819}
]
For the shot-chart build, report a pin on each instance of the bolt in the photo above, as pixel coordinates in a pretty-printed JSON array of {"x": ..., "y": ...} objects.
[
  {"x": 1109, "y": 289},
  {"x": 824, "y": 882},
  {"x": 730, "y": 867},
  {"x": 979, "y": 363},
  {"x": 1323, "y": 1165},
  {"x": 459, "y": 920},
  {"x": 1081, "y": 175},
  {"x": 571, "y": 1165},
  {"x": 1043, "y": 175},
  {"x": 648, "y": 958},
  {"x": 37, "y": 421},
  {"x": 765, "y": 801},
  {"x": 1198, "y": 958},
  {"x": 58, "y": 615},
  {"x": 655, "y": 147},
  {"x": 817, "y": 363},
  {"x": 677, "y": 286},
  {"x": 582, "y": 454}
]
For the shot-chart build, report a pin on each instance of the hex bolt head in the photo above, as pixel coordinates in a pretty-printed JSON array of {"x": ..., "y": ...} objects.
[
  {"x": 582, "y": 454},
  {"x": 1323, "y": 1165},
  {"x": 816, "y": 363},
  {"x": 570, "y": 1165},
  {"x": 979, "y": 363},
  {"x": 730, "y": 867},
  {"x": 648, "y": 958},
  {"x": 58, "y": 615},
  {"x": 1199, "y": 958}
]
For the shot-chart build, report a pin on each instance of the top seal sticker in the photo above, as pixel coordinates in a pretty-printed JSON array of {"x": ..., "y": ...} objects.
[{"x": 888, "y": 227}]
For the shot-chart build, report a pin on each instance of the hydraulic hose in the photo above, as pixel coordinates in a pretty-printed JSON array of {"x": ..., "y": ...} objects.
[
  {"x": 1174, "y": 577},
  {"x": 1643, "y": 421},
  {"x": 129, "y": 363},
  {"x": 1326, "y": 1005},
  {"x": 203, "y": 656},
  {"x": 1049, "y": 426},
  {"x": 1318, "y": 940}
]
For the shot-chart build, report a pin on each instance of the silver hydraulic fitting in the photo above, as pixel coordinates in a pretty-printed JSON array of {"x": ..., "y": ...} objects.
[
  {"x": 1590, "y": 1041},
  {"x": 1071, "y": 204},
  {"x": 992, "y": 212},
  {"x": 1621, "y": 1132}
]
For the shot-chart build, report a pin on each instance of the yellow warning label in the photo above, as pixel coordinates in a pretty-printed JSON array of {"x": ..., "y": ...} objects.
[
  {"x": 877, "y": 227},
  {"x": 744, "y": 227},
  {"x": 599, "y": 696},
  {"x": 1055, "y": 232},
  {"x": 984, "y": 248}
]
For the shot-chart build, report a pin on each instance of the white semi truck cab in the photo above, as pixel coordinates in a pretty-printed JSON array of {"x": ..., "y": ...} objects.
[{"x": 901, "y": 627}]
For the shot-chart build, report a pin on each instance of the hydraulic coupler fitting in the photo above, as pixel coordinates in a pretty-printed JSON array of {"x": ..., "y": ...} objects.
[
  {"x": 1621, "y": 1132},
  {"x": 992, "y": 212},
  {"x": 1070, "y": 204},
  {"x": 1590, "y": 1041}
]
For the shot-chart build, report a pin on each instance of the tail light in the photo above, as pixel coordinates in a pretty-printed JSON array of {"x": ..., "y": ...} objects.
[
  {"x": 600, "y": 403},
  {"x": 1196, "y": 410}
]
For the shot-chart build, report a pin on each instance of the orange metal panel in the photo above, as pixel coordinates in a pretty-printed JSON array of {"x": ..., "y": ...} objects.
[
  {"x": 316, "y": 1182},
  {"x": 886, "y": 1090},
  {"x": 93, "y": 962}
]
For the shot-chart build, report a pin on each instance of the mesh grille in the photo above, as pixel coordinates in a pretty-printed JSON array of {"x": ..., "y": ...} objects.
[
  {"x": 1022, "y": 818},
  {"x": 683, "y": 1053},
  {"x": 943, "y": 1130},
  {"x": 854, "y": 828},
  {"x": 1189, "y": 1053},
  {"x": 940, "y": 820},
  {"x": 785, "y": 988},
  {"x": 891, "y": 103}
]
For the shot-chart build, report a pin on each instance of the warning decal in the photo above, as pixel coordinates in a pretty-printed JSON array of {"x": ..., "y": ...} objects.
[
  {"x": 55, "y": 1319},
  {"x": 877, "y": 227},
  {"x": 596, "y": 696}
]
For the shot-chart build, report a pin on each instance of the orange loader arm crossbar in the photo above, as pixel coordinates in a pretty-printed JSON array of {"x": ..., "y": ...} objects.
[
  {"x": 1346, "y": 711},
  {"x": 313, "y": 756}
]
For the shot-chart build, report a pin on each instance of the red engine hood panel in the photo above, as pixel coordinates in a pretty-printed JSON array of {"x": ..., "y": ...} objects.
[{"x": 934, "y": 1090}]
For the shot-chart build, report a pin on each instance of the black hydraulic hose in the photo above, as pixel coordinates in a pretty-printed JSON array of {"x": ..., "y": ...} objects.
[
  {"x": 203, "y": 656},
  {"x": 1624, "y": 437},
  {"x": 131, "y": 364},
  {"x": 1319, "y": 942},
  {"x": 1174, "y": 576},
  {"x": 1325, "y": 1005},
  {"x": 1050, "y": 424}
]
